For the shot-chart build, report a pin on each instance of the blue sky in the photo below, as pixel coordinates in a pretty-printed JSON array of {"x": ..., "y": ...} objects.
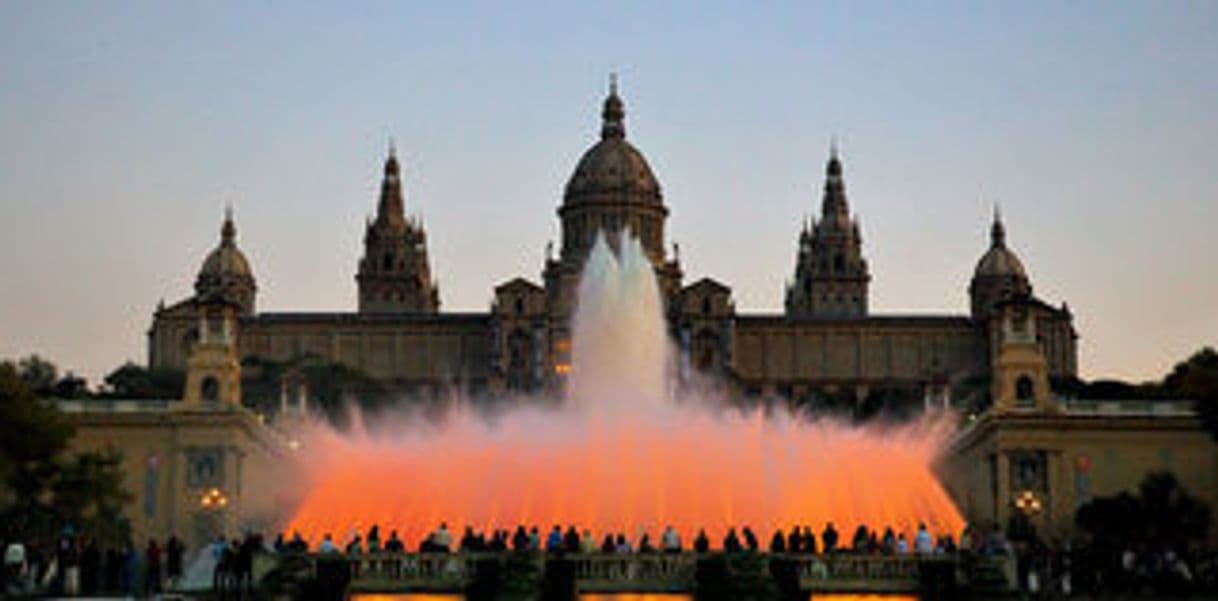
[{"x": 126, "y": 127}]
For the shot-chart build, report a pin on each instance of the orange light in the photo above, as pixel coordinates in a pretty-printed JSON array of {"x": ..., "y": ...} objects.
[
  {"x": 634, "y": 475},
  {"x": 562, "y": 369}
]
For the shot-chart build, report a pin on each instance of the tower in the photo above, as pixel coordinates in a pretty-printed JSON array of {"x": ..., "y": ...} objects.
[
  {"x": 831, "y": 274},
  {"x": 226, "y": 277},
  {"x": 213, "y": 372},
  {"x": 1020, "y": 372},
  {"x": 394, "y": 275},
  {"x": 999, "y": 275}
]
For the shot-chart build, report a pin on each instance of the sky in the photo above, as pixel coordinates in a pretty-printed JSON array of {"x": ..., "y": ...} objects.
[{"x": 125, "y": 128}]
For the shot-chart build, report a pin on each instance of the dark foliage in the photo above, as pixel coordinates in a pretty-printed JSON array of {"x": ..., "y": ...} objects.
[
  {"x": 1161, "y": 515},
  {"x": 45, "y": 488},
  {"x": 131, "y": 381}
]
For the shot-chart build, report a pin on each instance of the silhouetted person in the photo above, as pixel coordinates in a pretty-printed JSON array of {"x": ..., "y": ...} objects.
[
  {"x": 750, "y": 539},
  {"x": 731, "y": 542},
  {"x": 520, "y": 540},
  {"x": 701, "y": 543},
  {"x": 794, "y": 542},
  {"x": 113, "y": 570},
  {"x": 645, "y": 545},
  {"x": 374, "y": 539},
  {"x": 608, "y": 546},
  {"x": 554, "y": 540},
  {"x": 859, "y": 543},
  {"x": 174, "y": 549},
  {"x": 394, "y": 544},
  {"x": 828, "y": 538},
  {"x": 467, "y": 540},
  {"x": 778, "y": 544},
  {"x": 570, "y": 540},
  {"x": 807, "y": 541},
  {"x": 152, "y": 562},
  {"x": 90, "y": 569}
]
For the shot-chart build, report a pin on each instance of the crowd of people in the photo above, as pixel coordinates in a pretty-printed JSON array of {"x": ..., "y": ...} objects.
[
  {"x": 78, "y": 565},
  {"x": 571, "y": 540}
]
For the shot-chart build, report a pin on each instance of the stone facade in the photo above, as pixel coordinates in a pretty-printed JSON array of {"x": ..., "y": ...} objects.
[
  {"x": 826, "y": 339},
  {"x": 1046, "y": 457}
]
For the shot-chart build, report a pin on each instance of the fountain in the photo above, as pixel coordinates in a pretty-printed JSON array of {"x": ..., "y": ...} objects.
[{"x": 622, "y": 453}]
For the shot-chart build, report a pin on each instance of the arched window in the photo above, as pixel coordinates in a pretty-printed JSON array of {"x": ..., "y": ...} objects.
[
  {"x": 1024, "y": 390},
  {"x": 209, "y": 390},
  {"x": 519, "y": 306},
  {"x": 387, "y": 263},
  {"x": 839, "y": 263},
  {"x": 706, "y": 305}
]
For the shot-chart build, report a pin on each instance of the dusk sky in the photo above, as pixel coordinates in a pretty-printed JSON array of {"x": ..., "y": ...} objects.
[{"x": 126, "y": 127}]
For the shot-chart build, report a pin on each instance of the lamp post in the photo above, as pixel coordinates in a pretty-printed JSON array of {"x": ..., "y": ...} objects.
[{"x": 213, "y": 499}]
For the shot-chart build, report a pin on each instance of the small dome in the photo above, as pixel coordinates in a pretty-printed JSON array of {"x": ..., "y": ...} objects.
[
  {"x": 1000, "y": 261},
  {"x": 225, "y": 261},
  {"x": 226, "y": 275}
]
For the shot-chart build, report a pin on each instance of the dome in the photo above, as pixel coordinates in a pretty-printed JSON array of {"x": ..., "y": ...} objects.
[
  {"x": 999, "y": 261},
  {"x": 613, "y": 167},
  {"x": 226, "y": 259},
  {"x": 226, "y": 275}
]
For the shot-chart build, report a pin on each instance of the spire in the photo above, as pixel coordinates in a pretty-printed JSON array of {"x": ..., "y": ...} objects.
[
  {"x": 834, "y": 167},
  {"x": 391, "y": 209},
  {"x": 834, "y": 209},
  {"x": 228, "y": 231},
  {"x": 391, "y": 163},
  {"x": 614, "y": 113},
  {"x": 998, "y": 233}
]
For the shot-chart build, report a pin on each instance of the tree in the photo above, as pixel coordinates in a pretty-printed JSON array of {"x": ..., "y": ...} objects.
[
  {"x": 44, "y": 487},
  {"x": 38, "y": 374},
  {"x": 131, "y": 381},
  {"x": 1163, "y": 514},
  {"x": 1196, "y": 378}
]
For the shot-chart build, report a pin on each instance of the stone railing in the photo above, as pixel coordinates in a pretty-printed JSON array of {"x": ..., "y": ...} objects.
[{"x": 636, "y": 572}]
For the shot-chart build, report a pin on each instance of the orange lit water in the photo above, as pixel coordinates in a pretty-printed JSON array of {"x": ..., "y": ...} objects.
[{"x": 621, "y": 454}]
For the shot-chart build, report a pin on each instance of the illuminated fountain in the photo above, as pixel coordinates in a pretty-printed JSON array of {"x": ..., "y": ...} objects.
[{"x": 622, "y": 454}]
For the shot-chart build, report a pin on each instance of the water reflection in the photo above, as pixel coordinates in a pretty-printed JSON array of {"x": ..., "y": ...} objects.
[{"x": 631, "y": 597}]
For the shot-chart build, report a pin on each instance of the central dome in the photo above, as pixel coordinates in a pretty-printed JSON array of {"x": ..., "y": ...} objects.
[{"x": 613, "y": 170}]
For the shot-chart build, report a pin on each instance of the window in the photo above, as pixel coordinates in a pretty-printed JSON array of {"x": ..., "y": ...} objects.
[
  {"x": 706, "y": 305},
  {"x": 519, "y": 306},
  {"x": 387, "y": 263},
  {"x": 210, "y": 389},
  {"x": 1024, "y": 391},
  {"x": 839, "y": 263}
]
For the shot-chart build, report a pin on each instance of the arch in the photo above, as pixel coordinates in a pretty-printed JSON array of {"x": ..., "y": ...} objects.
[
  {"x": 1025, "y": 390},
  {"x": 387, "y": 262},
  {"x": 209, "y": 389}
]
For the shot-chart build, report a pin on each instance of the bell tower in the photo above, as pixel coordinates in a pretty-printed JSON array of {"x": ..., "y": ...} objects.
[
  {"x": 213, "y": 372},
  {"x": 831, "y": 275},
  {"x": 1020, "y": 372},
  {"x": 394, "y": 274}
]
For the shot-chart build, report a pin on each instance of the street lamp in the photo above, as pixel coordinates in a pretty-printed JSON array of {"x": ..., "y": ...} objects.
[
  {"x": 213, "y": 499},
  {"x": 1027, "y": 502}
]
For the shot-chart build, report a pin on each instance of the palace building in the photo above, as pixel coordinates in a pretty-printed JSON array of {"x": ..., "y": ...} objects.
[{"x": 826, "y": 340}]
